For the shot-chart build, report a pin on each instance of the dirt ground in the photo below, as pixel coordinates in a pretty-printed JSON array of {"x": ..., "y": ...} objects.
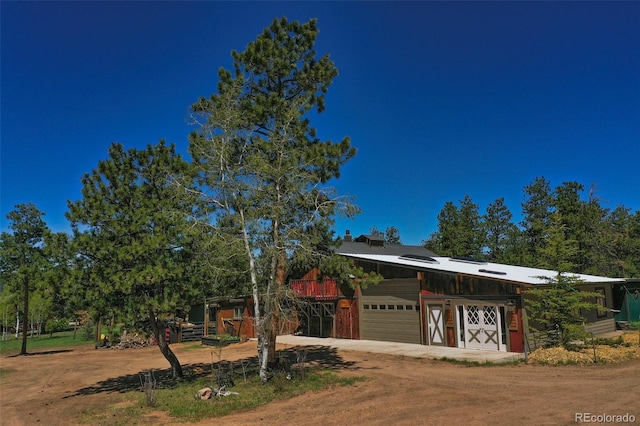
[{"x": 53, "y": 387}]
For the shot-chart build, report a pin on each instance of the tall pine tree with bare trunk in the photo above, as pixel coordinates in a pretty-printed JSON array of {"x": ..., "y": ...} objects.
[
  {"x": 22, "y": 259},
  {"x": 262, "y": 169}
]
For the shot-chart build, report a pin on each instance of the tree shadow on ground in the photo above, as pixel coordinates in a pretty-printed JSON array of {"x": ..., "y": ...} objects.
[
  {"x": 57, "y": 351},
  {"x": 316, "y": 357}
]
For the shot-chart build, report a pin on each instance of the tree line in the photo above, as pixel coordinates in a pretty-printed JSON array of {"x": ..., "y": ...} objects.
[{"x": 562, "y": 229}]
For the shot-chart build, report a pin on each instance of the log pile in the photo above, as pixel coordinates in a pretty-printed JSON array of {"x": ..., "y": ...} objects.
[{"x": 132, "y": 341}]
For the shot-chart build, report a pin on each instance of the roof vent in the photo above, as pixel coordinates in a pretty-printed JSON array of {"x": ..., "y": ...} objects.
[
  {"x": 418, "y": 258},
  {"x": 488, "y": 271}
]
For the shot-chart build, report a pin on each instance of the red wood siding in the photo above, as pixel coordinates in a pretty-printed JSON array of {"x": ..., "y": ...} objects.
[
  {"x": 319, "y": 290},
  {"x": 516, "y": 332},
  {"x": 346, "y": 320},
  {"x": 241, "y": 327}
]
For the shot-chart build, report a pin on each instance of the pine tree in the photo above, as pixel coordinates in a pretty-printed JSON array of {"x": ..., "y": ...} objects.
[
  {"x": 133, "y": 230},
  {"x": 262, "y": 167},
  {"x": 556, "y": 312},
  {"x": 536, "y": 211},
  {"x": 22, "y": 261},
  {"x": 498, "y": 229}
]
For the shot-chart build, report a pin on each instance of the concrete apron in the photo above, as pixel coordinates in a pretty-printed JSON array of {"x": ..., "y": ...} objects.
[{"x": 405, "y": 349}]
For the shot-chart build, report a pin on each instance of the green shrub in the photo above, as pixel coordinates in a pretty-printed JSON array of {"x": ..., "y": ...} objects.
[
  {"x": 55, "y": 325},
  {"x": 87, "y": 331}
]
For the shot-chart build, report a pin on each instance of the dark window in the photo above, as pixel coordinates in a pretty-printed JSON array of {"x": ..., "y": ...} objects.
[
  {"x": 409, "y": 307},
  {"x": 374, "y": 306},
  {"x": 391, "y": 307},
  {"x": 365, "y": 306},
  {"x": 503, "y": 324},
  {"x": 400, "y": 307},
  {"x": 461, "y": 320},
  {"x": 382, "y": 307}
]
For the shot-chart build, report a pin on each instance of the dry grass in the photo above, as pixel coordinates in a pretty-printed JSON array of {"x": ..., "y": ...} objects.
[{"x": 609, "y": 353}]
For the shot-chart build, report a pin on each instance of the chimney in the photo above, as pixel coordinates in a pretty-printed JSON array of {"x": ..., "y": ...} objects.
[{"x": 347, "y": 236}]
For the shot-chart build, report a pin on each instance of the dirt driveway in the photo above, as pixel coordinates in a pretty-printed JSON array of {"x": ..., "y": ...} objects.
[{"x": 52, "y": 387}]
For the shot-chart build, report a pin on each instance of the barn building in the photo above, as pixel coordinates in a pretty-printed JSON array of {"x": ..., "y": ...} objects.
[{"x": 433, "y": 300}]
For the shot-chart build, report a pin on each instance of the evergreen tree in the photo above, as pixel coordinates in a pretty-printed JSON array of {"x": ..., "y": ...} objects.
[
  {"x": 391, "y": 235},
  {"x": 498, "y": 229},
  {"x": 261, "y": 165},
  {"x": 470, "y": 232},
  {"x": 623, "y": 243},
  {"x": 559, "y": 251},
  {"x": 22, "y": 262},
  {"x": 556, "y": 312},
  {"x": 133, "y": 228},
  {"x": 460, "y": 231},
  {"x": 572, "y": 210},
  {"x": 446, "y": 241},
  {"x": 594, "y": 240},
  {"x": 516, "y": 248},
  {"x": 376, "y": 232},
  {"x": 536, "y": 211}
]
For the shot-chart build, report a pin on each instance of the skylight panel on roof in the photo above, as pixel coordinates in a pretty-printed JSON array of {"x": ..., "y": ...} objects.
[
  {"x": 465, "y": 259},
  {"x": 418, "y": 258}
]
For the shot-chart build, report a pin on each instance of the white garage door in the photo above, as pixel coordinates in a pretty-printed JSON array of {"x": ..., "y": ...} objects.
[{"x": 389, "y": 311}]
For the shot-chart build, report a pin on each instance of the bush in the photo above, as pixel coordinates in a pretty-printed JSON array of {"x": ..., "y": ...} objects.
[
  {"x": 55, "y": 325},
  {"x": 87, "y": 330}
]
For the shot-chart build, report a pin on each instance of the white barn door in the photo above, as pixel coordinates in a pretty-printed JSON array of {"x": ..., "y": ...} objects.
[
  {"x": 482, "y": 326},
  {"x": 435, "y": 325}
]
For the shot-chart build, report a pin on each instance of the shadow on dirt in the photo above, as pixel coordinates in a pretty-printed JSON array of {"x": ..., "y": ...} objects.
[
  {"x": 310, "y": 356},
  {"x": 57, "y": 351}
]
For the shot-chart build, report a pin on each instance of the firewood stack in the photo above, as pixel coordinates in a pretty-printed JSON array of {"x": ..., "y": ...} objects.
[{"x": 132, "y": 341}]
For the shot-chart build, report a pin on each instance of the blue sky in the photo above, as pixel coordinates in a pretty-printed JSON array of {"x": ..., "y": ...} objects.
[{"x": 441, "y": 99}]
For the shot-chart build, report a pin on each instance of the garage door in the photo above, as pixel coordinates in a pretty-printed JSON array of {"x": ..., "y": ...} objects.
[{"x": 390, "y": 312}]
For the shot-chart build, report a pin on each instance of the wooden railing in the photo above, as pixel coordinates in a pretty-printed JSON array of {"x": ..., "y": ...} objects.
[{"x": 319, "y": 290}]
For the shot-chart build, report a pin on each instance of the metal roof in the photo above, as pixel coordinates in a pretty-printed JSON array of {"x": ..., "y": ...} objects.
[{"x": 519, "y": 274}]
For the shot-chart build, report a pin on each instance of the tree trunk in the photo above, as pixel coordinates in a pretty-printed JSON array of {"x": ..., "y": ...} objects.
[
  {"x": 25, "y": 317},
  {"x": 263, "y": 344},
  {"x": 272, "y": 335},
  {"x": 275, "y": 314},
  {"x": 111, "y": 328},
  {"x": 159, "y": 333}
]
